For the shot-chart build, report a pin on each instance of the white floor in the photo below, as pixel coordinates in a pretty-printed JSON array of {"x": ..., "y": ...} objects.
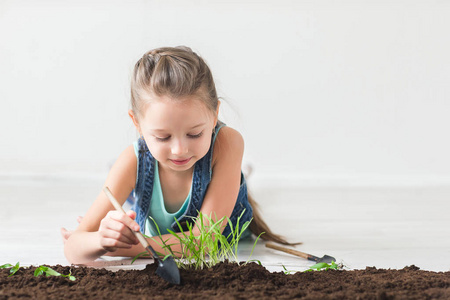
[{"x": 381, "y": 227}]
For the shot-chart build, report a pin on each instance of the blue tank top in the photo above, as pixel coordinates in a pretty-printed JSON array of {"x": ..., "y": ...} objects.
[
  {"x": 158, "y": 212},
  {"x": 142, "y": 195},
  {"x": 162, "y": 219}
]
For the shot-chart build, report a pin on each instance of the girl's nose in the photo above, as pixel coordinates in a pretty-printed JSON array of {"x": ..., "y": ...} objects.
[{"x": 179, "y": 147}]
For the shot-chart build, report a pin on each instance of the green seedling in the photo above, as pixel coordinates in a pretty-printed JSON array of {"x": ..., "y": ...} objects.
[
  {"x": 13, "y": 270},
  {"x": 317, "y": 267},
  {"x": 50, "y": 272},
  {"x": 286, "y": 271},
  {"x": 324, "y": 266},
  {"x": 207, "y": 248},
  {"x": 5, "y": 266},
  {"x": 39, "y": 271},
  {"x": 255, "y": 261}
]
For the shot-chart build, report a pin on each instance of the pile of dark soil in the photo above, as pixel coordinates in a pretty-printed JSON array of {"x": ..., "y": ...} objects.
[{"x": 227, "y": 281}]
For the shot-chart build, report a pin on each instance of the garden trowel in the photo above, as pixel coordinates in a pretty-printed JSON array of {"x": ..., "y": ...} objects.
[{"x": 167, "y": 268}]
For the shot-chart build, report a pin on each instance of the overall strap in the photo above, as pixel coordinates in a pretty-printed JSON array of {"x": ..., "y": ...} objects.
[
  {"x": 219, "y": 125},
  {"x": 144, "y": 184}
]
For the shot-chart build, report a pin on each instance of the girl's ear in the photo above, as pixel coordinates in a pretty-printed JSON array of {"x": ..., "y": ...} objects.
[{"x": 135, "y": 121}]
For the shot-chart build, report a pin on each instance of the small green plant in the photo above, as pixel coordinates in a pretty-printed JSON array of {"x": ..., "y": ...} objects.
[
  {"x": 255, "y": 261},
  {"x": 207, "y": 248},
  {"x": 317, "y": 267},
  {"x": 50, "y": 272},
  {"x": 13, "y": 270},
  {"x": 324, "y": 266},
  {"x": 286, "y": 271},
  {"x": 39, "y": 271}
]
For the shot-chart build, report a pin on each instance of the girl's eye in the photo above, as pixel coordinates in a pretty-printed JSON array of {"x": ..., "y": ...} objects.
[
  {"x": 195, "y": 136},
  {"x": 164, "y": 139}
]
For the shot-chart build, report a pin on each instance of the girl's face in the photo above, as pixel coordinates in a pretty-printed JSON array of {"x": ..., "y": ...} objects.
[{"x": 177, "y": 131}]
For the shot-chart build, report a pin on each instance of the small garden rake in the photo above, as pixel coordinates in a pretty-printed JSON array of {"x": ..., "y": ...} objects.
[{"x": 324, "y": 259}]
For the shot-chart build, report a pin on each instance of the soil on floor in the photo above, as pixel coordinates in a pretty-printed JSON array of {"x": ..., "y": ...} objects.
[{"x": 227, "y": 281}]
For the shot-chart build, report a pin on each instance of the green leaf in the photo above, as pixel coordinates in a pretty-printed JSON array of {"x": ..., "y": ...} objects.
[
  {"x": 286, "y": 271},
  {"x": 51, "y": 272},
  {"x": 256, "y": 261},
  {"x": 5, "y": 266},
  {"x": 320, "y": 266},
  {"x": 14, "y": 269},
  {"x": 139, "y": 255},
  {"x": 38, "y": 272},
  {"x": 324, "y": 266}
]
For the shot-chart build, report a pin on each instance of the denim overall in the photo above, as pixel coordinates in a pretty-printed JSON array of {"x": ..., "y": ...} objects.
[{"x": 142, "y": 192}]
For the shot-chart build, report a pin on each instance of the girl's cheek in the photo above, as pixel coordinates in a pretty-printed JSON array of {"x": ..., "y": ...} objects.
[{"x": 204, "y": 147}]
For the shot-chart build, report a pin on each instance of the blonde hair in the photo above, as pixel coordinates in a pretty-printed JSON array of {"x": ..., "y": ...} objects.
[{"x": 175, "y": 72}]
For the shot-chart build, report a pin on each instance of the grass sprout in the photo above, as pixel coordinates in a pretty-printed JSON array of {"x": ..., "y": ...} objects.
[
  {"x": 208, "y": 247},
  {"x": 286, "y": 271},
  {"x": 255, "y": 261}
]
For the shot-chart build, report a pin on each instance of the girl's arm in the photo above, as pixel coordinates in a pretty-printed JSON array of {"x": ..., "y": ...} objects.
[
  {"x": 103, "y": 229},
  {"x": 223, "y": 189}
]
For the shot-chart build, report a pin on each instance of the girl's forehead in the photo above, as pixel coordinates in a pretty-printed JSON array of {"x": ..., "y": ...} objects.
[
  {"x": 166, "y": 111},
  {"x": 190, "y": 104}
]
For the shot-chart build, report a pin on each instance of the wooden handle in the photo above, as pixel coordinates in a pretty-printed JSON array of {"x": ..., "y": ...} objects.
[
  {"x": 287, "y": 250},
  {"x": 118, "y": 207}
]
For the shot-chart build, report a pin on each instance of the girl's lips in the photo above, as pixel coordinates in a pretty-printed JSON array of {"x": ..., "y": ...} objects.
[{"x": 180, "y": 162}]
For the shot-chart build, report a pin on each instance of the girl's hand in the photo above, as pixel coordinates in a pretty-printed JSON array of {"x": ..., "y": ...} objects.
[{"x": 116, "y": 231}]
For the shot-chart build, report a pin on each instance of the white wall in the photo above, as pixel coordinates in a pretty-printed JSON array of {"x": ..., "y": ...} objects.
[{"x": 324, "y": 92}]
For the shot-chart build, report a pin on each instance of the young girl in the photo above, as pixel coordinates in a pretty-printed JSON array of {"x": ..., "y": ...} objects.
[{"x": 186, "y": 161}]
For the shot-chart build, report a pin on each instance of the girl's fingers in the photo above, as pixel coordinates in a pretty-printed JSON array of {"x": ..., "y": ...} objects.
[
  {"x": 120, "y": 232},
  {"x": 125, "y": 224},
  {"x": 125, "y": 219},
  {"x": 114, "y": 227},
  {"x": 112, "y": 245},
  {"x": 132, "y": 215}
]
